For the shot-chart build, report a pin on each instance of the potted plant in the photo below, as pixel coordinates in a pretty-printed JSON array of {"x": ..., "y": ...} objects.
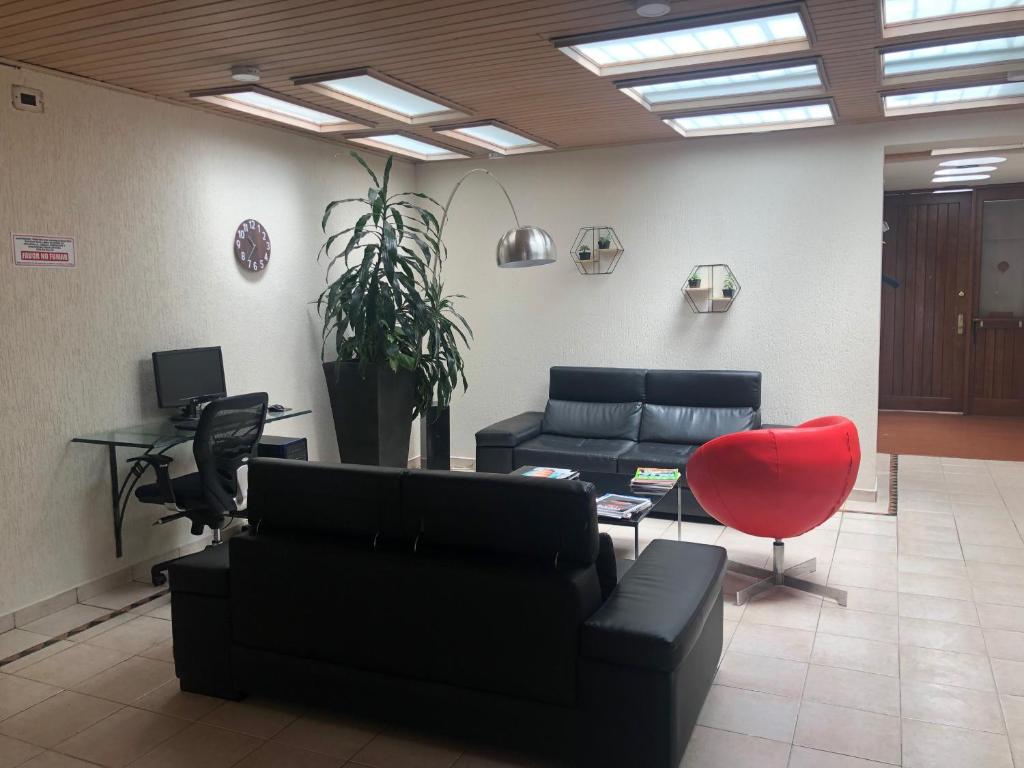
[
  {"x": 583, "y": 254},
  {"x": 728, "y": 288},
  {"x": 693, "y": 281},
  {"x": 604, "y": 240},
  {"x": 395, "y": 332}
]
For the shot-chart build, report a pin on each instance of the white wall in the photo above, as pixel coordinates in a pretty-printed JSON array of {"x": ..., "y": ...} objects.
[
  {"x": 796, "y": 215},
  {"x": 152, "y": 193}
]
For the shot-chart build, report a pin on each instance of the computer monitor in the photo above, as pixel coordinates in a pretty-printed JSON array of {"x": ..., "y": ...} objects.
[{"x": 187, "y": 377}]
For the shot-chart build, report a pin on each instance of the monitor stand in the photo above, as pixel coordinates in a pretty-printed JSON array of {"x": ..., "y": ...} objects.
[{"x": 189, "y": 412}]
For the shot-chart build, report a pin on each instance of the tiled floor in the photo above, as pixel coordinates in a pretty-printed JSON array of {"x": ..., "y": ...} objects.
[{"x": 924, "y": 668}]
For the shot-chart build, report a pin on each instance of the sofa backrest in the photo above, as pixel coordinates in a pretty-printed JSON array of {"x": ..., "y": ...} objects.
[
  {"x": 693, "y": 407},
  {"x": 476, "y": 580},
  {"x": 594, "y": 402}
]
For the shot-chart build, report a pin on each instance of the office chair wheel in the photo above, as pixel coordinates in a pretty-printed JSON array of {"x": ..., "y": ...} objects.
[{"x": 158, "y": 575}]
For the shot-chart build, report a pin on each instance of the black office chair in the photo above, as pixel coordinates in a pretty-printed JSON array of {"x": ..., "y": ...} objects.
[{"x": 228, "y": 432}]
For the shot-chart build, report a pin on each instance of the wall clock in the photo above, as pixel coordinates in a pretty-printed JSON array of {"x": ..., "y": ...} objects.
[{"x": 252, "y": 245}]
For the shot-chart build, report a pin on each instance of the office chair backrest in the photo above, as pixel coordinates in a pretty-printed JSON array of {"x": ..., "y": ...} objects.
[{"x": 226, "y": 438}]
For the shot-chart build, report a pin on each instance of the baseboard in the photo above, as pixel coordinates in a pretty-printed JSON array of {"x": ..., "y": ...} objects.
[{"x": 460, "y": 463}]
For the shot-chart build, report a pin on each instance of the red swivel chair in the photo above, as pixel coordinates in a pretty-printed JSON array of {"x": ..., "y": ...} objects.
[{"x": 778, "y": 483}]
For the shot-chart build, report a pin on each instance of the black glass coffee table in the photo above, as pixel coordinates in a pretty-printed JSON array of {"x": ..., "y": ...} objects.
[{"x": 609, "y": 482}]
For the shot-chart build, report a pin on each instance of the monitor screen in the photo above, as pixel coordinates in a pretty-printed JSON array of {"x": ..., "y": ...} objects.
[{"x": 184, "y": 374}]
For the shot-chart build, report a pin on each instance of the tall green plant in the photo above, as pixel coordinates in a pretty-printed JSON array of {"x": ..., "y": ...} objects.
[{"x": 388, "y": 305}]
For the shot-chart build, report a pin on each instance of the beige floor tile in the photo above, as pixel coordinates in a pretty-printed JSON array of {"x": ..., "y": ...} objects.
[
  {"x": 161, "y": 651},
  {"x": 866, "y": 541},
  {"x": 926, "y": 745},
  {"x": 870, "y": 524},
  {"x": 760, "y": 673},
  {"x": 57, "y": 718},
  {"x": 751, "y": 712},
  {"x": 938, "y": 609},
  {"x": 802, "y": 757},
  {"x": 160, "y": 612},
  {"x": 874, "y": 600},
  {"x": 154, "y": 607},
  {"x": 713, "y": 748},
  {"x": 1001, "y": 555},
  {"x": 853, "y": 689},
  {"x": 56, "y": 760},
  {"x": 169, "y": 699},
  {"x": 777, "y": 642},
  {"x": 200, "y": 746},
  {"x": 492, "y": 759},
  {"x": 923, "y": 548},
  {"x": 1001, "y": 617},
  {"x": 77, "y": 663},
  {"x": 257, "y": 717},
  {"x": 997, "y": 593},
  {"x": 327, "y": 734},
  {"x": 1004, "y": 644},
  {"x": 127, "y": 681},
  {"x": 18, "y": 694},
  {"x": 856, "y": 653},
  {"x": 942, "y": 636},
  {"x": 866, "y": 576},
  {"x": 274, "y": 755},
  {"x": 843, "y": 556},
  {"x": 63, "y": 621},
  {"x": 124, "y": 595},
  {"x": 948, "y": 705},
  {"x": 784, "y": 607},
  {"x": 927, "y": 665},
  {"x": 1009, "y": 676},
  {"x": 103, "y": 626},
  {"x": 122, "y": 737},
  {"x": 937, "y": 533},
  {"x": 935, "y": 586},
  {"x": 837, "y": 620},
  {"x": 135, "y": 636},
  {"x": 1013, "y": 713},
  {"x": 392, "y": 750},
  {"x": 44, "y": 653},
  {"x": 998, "y": 573},
  {"x": 14, "y": 752},
  {"x": 17, "y": 640},
  {"x": 853, "y": 732}
]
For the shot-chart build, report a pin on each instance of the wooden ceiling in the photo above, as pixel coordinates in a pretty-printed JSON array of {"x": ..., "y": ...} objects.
[{"x": 491, "y": 56}]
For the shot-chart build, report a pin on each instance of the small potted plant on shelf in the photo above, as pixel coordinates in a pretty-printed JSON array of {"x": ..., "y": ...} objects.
[
  {"x": 604, "y": 240},
  {"x": 693, "y": 281},
  {"x": 583, "y": 254},
  {"x": 728, "y": 288}
]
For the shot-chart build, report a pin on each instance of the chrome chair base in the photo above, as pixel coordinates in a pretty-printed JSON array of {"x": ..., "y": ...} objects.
[{"x": 781, "y": 576}]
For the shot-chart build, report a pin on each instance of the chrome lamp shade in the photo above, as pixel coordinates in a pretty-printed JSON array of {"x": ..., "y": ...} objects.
[{"x": 526, "y": 246}]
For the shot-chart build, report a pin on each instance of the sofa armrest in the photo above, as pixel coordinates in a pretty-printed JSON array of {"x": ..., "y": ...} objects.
[
  {"x": 657, "y": 612},
  {"x": 510, "y": 432}
]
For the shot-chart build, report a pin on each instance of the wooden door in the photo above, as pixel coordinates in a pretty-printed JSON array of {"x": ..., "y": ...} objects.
[
  {"x": 997, "y": 359},
  {"x": 923, "y": 348}
]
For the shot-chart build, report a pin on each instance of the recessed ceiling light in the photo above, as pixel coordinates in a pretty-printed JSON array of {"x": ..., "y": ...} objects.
[
  {"x": 494, "y": 137},
  {"x": 776, "y": 118},
  {"x": 245, "y": 73},
  {"x": 733, "y": 85},
  {"x": 260, "y": 102},
  {"x": 961, "y": 161},
  {"x": 650, "y": 8},
  {"x": 910, "y": 16},
  {"x": 971, "y": 54},
  {"x": 975, "y": 150},
  {"x": 376, "y": 92},
  {"x": 947, "y": 191},
  {"x": 957, "y": 179},
  {"x": 966, "y": 169},
  {"x": 685, "y": 42},
  {"x": 966, "y": 97},
  {"x": 409, "y": 146}
]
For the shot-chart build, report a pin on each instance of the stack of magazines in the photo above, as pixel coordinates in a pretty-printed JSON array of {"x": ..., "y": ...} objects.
[
  {"x": 621, "y": 507},
  {"x": 654, "y": 480},
  {"x": 554, "y": 473}
]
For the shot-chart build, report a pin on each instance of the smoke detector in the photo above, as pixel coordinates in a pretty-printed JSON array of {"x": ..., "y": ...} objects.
[
  {"x": 650, "y": 9},
  {"x": 245, "y": 73}
]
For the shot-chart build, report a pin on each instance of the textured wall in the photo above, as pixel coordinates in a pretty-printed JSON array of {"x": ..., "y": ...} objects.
[{"x": 152, "y": 193}]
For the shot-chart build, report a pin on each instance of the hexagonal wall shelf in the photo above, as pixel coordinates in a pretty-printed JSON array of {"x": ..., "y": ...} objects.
[
  {"x": 711, "y": 288},
  {"x": 596, "y": 250}
]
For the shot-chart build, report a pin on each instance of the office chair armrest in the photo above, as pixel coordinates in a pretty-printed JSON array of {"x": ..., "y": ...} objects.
[{"x": 159, "y": 463}]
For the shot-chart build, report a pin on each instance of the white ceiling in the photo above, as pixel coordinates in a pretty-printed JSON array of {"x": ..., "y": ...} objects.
[{"x": 913, "y": 166}]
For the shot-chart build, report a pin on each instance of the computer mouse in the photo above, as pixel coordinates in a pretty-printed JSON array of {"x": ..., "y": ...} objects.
[{"x": 276, "y": 408}]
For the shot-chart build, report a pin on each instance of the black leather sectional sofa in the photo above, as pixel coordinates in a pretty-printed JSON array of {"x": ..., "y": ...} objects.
[
  {"x": 618, "y": 419},
  {"x": 477, "y": 605}
]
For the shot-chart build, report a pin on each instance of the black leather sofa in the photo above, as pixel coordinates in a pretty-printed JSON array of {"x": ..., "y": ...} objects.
[
  {"x": 618, "y": 419},
  {"x": 476, "y": 605}
]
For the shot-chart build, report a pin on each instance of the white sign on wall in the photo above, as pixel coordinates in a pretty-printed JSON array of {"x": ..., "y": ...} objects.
[{"x": 43, "y": 250}]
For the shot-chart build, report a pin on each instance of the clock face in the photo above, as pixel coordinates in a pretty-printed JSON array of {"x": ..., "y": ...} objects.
[{"x": 252, "y": 245}]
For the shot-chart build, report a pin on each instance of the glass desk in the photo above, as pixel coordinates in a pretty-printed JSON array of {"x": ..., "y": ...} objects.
[{"x": 154, "y": 437}]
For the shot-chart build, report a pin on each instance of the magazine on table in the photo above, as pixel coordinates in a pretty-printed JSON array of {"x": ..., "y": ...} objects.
[
  {"x": 553, "y": 473},
  {"x": 620, "y": 507},
  {"x": 653, "y": 479}
]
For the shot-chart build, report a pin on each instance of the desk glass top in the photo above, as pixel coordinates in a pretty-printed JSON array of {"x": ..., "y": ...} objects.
[{"x": 161, "y": 433}]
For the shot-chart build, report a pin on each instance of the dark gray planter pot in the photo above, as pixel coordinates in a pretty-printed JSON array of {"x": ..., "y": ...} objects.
[{"x": 372, "y": 414}]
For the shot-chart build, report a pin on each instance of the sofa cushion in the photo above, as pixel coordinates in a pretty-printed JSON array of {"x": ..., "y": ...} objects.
[
  {"x": 596, "y": 385},
  {"x": 202, "y": 573},
  {"x": 708, "y": 389},
  {"x": 581, "y": 419},
  {"x": 582, "y": 453},
  {"x": 531, "y": 518},
  {"x": 665, "y": 455},
  {"x": 693, "y": 424}
]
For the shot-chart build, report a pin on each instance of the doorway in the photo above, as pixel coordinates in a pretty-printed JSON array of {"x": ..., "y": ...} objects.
[{"x": 952, "y": 294}]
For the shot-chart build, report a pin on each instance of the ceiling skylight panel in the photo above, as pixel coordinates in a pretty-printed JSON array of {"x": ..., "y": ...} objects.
[
  {"x": 376, "y": 92},
  {"x": 960, "y": 55},
  {"x": 262, "y": 103},
  {"x": 911, "y": 16},
  {"x": 755, "y": 120},
  {"x": 494, "y": 136},
  {"x": 409, "y": 146},
  {"x": 679, "y": 43},
  {"x": 967, "y": 97}
]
